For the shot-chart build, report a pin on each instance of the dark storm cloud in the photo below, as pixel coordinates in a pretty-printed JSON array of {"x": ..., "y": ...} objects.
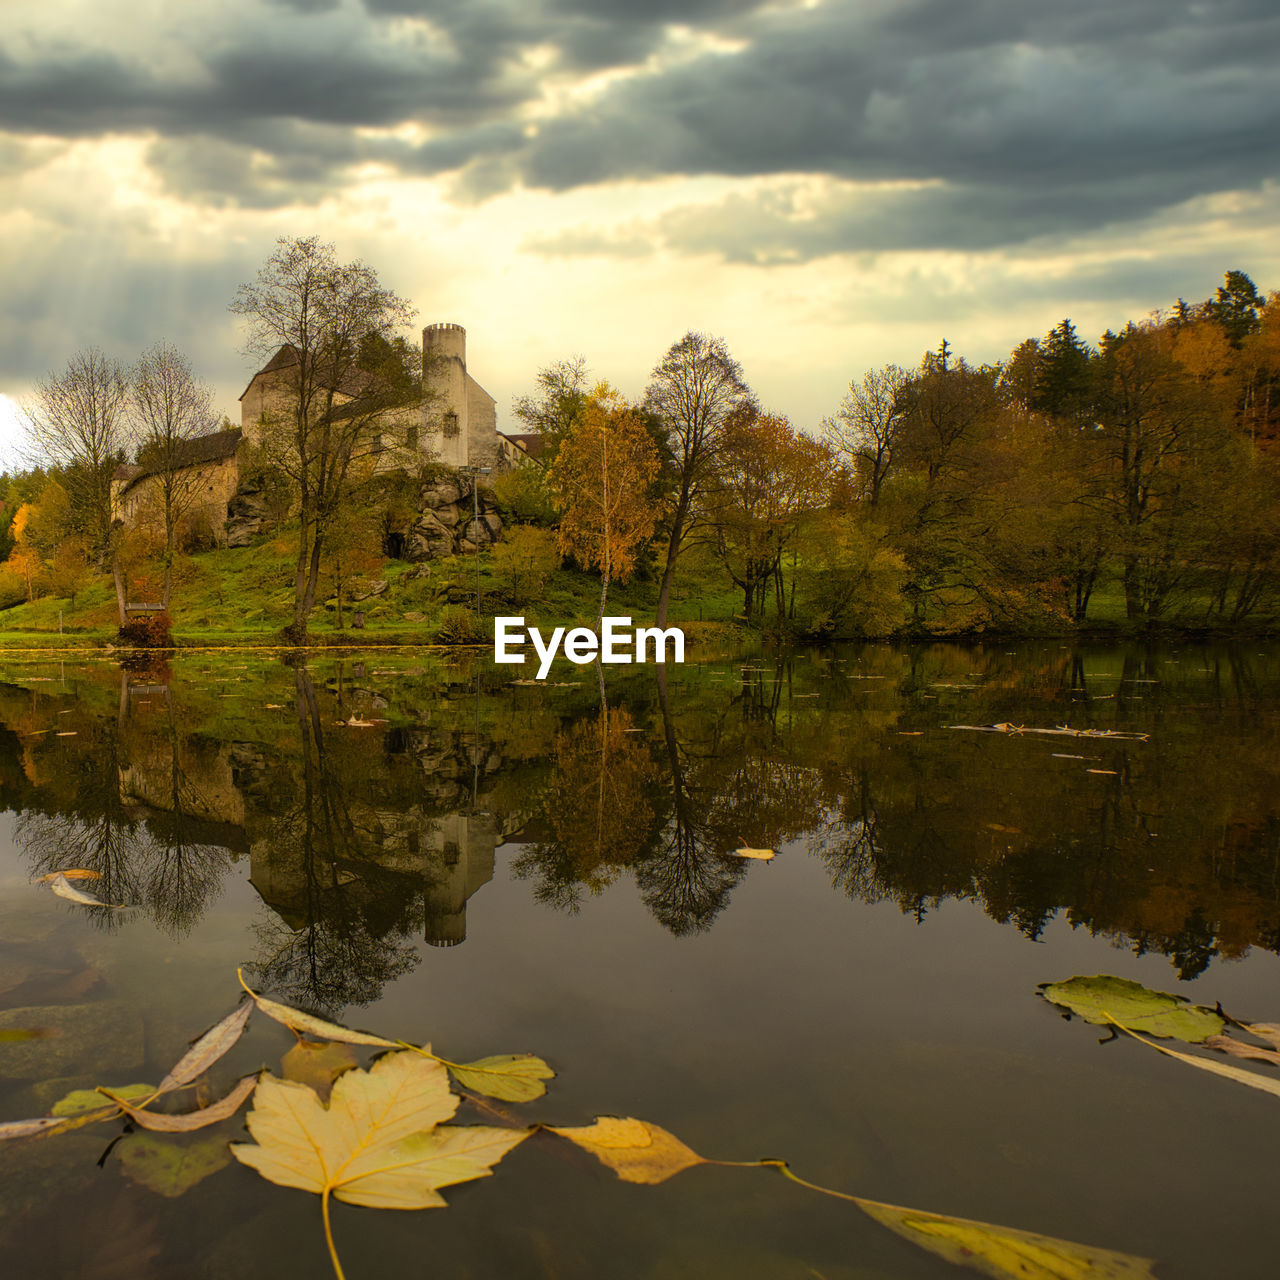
[
  {"x": 121, "y": 302},
  {"x": 1028, "y": 117},
  {"x": 792, "y": 225}
]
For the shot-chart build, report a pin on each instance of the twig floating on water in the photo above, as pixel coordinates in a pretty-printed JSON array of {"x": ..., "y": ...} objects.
[{"x": 1062, "y": 731}]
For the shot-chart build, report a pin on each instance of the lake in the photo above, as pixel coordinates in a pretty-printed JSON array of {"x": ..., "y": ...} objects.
[{"x": 409, "y": 842}]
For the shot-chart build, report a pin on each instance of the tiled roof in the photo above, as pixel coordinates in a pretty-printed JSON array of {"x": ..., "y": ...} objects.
[
  {"x": 531, "y": 442},
  {"x": 216, "y": 447}
]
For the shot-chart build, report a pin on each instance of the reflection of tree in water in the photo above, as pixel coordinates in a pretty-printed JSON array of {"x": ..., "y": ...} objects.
[
  {"x": 1172, "y": 846},
  {"x": 346, "y": 939},
  {"x": 686, "y": 880},
  {"x": 153, "y": 859},
  {"x": 598, "y": 806},
  {"x": 675, "y": 824}
]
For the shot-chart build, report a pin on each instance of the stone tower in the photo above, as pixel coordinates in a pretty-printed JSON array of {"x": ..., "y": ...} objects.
[{"x": 446, "y": 426}]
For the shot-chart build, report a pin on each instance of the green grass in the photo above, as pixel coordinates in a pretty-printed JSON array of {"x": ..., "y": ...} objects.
[{"x": 244, "y": 596}]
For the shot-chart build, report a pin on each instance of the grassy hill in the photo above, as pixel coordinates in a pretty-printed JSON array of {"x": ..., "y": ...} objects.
[{"x": 244, "y": 596}]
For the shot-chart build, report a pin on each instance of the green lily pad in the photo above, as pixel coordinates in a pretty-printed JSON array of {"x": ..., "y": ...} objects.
[{"x": 1104, "y": 999}]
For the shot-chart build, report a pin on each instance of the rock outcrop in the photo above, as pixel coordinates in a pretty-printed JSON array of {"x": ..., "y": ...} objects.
[
  {"x": 446, "y": 523},
  {"x": 246, "y": 515}
]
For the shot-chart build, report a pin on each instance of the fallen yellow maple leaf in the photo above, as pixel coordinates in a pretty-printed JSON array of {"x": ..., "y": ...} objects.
[{"x": 379, "y": 1142}]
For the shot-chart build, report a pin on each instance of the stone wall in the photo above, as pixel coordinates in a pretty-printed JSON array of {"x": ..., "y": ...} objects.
[{"x": 203, "y": 491}]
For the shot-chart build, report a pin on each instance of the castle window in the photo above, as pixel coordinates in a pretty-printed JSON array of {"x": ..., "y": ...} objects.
[{"x": 449, "y": 428}]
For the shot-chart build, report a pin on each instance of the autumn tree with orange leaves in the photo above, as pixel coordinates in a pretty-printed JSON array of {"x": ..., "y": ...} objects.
[
  {"x": 769, "y": 479},
  {"x": 601, "y": 478}
]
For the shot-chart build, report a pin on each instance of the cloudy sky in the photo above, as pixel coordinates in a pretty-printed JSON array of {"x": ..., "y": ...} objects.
[{"x": 828, "y": 184}]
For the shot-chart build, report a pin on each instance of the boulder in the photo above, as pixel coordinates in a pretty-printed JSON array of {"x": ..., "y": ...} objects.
[
  {"x": 373, "y": 589},
  {"x": 442, "y": 493},
  {"x": 427, "y": 542}
]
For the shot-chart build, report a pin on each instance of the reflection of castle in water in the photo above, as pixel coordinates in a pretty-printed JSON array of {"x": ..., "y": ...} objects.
[
  {"x": 448, "y": 859},
  {"x": 234, "y": 795}
]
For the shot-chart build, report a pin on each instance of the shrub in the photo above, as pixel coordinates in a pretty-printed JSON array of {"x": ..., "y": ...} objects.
[
  {"x": 523, "y": 562},
  {"x": 459, "y": 626},
  {"x": 150, "y": 631},
  {"x": 523, "y": 497}
]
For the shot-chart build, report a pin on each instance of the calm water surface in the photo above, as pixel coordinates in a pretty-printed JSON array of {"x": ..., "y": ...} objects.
[{"x": 413, "y": 844}]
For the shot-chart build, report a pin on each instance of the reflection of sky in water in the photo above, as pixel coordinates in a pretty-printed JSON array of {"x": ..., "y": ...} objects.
[{"x": 910, "y": 1062}]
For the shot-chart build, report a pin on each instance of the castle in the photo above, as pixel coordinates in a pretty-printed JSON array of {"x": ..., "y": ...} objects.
[{"x": 454, "y": 424}]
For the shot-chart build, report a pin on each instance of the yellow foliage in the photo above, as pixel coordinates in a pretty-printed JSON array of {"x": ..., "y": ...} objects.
[{"x": 600, "y": 477}]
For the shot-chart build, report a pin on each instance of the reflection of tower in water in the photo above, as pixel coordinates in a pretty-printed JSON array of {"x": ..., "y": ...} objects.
[{"x": 464, "y": 845}]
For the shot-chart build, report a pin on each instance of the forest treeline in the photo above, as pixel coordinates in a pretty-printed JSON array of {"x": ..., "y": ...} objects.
[
  {"x": 959, "y": 497},
  {"x": 1136, "y": 479}
]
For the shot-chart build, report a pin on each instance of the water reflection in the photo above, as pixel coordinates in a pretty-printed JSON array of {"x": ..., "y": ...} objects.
[{"x": 368, "y": 802}]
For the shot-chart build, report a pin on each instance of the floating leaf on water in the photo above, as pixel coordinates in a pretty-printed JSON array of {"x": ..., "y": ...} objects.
[
  {"x": 65, "y": 889},
  {"x": 309, "y": 1024},
  {"x": 380, "y": 1142},
  {"x": 81, "y": 1101},
  {"x": 31, "y": 1128},
  {"x": 512, "y": 1077},
  {"x": 74, "y": 873},
  {"x": 1003, "y": 1252},
  {"x": 1269, "y": 1031},
  {"x": 208, "y": 1049},
  {"x": 1252, "y": 1079},
  {"x": 169, "y": 1166},
  {"x": 1240, "y": 1049},
  {"x": 634, "y": 1149},
  {"x": 317, "y": 1064},
  {"x": 1105, "y": 999},
  {"x": 189, "y": 1121},
  {"x": 763, "y": 855}
]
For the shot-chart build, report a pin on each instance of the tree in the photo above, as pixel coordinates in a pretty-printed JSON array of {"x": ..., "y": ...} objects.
[
  {"x": 350, "y": 385},
  {"x": 353, "y": 550},
  {"x": 172, "y": 407},
  {"x": 694, "y": 389},
  {"x": 1155, "y": 418},
  {"x": 946, "y": 407},
  {"x": 24, "y": 560},
  {"x": 1236, "y": 307},
  {"x": 601, "y": 475},
  {"x": 768, "y": 479},
  {"x": 864, "y": 431},
  {"x": 554, "y": 407},
  {"x": 78, "y": 420},
  {"x": 1064, "y": 376},
  {"x": 68, "y": 572}
]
